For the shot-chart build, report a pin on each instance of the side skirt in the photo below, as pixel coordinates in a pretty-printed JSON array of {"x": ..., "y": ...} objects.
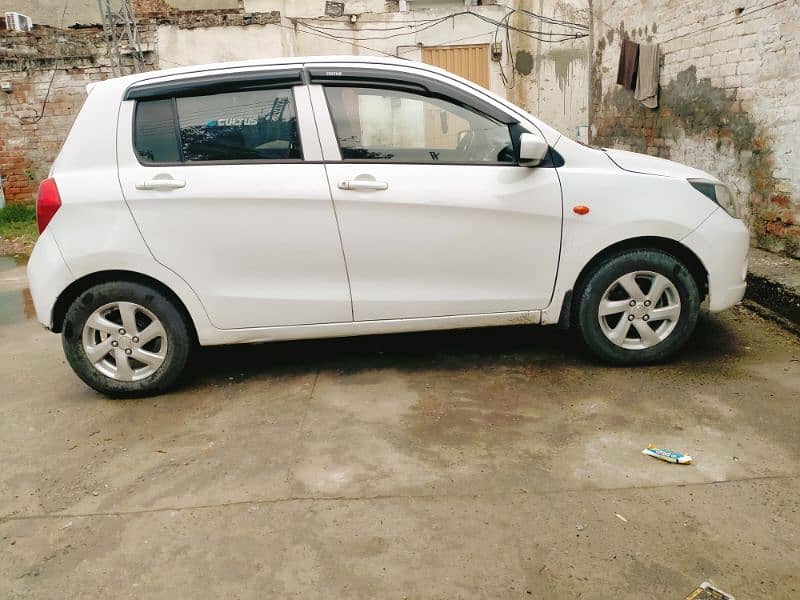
[{"x": 330, "y": 330}]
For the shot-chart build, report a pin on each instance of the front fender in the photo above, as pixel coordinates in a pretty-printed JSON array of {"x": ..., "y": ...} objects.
[{"x": 623, "y": 206}]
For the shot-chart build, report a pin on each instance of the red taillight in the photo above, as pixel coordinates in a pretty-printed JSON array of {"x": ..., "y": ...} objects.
[{"x": 47, "y": 203}]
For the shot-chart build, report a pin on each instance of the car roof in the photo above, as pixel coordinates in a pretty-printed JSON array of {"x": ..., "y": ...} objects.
[{"x": 269, "y": 62}]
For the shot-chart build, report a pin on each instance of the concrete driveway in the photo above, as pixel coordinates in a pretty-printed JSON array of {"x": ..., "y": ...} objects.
[{"x": 496, "y": 463}]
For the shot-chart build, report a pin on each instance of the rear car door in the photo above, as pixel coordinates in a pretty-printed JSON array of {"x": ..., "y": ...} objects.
[
  {"x": 436, "y": 216},
  {"x": 223, "y": 175}
]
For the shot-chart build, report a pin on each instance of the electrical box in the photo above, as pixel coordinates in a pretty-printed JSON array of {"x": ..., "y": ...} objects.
[
  {"x": 334, "y": 9},
  {"x": 497, "y": 51},
  {"x": 18, "y": 22},
  {"x": 5, "y": 86}
]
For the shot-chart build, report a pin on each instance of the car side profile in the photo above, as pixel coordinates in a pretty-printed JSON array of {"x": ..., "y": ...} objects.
[{"x": 325, "y": 197}]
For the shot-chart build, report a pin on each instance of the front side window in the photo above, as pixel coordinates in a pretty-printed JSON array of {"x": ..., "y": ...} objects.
[
  {"x": 241, "y": 126},
  {"x": 398, "y": 126}
]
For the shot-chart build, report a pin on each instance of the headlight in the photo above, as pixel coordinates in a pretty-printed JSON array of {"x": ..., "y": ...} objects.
[{"x": 719, "y": 193}]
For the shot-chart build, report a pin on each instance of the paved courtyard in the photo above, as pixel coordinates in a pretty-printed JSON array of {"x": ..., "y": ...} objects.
[{"x": 495, "y": 463}]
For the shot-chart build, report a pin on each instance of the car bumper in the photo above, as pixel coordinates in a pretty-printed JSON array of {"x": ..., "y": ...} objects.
[
  {"x": 48, "y": 276},
  {"x": 722, "y": 244}
]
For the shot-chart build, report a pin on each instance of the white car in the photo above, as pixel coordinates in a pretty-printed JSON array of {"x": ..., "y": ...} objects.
[{"x": 325, "y": 197}]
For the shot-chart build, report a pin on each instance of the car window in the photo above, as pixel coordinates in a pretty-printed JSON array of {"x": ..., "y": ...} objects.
[
  {"x": 235, "y": 126},
  {"x": 242, "y": 125},
  {"x": 154, "y": 132},
  {"x": 398, "y": 126}
]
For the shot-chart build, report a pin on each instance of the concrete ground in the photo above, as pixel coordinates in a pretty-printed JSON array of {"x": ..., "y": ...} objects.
[{"x": 498, "y": 463}]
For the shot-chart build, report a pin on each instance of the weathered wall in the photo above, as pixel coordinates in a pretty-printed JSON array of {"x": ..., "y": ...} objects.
[
  {"x": 55, "y": 13},
  {"x": 49, "y": 70},
  {"x": 199, "y": 37},
  {"x": 62, "y": 13},
  {"x": 549, "y": 79},
  {"x": 177, "y": 46},
  {"x": 730, "y": 99}
]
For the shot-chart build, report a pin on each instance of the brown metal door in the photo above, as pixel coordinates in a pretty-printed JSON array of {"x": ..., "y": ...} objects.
[{"x": 470, "y": 62}]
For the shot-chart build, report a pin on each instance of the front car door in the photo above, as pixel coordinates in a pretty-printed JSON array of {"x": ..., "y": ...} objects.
[
  {"x": 223, "y": 175},
  {"x": 436, "y": 216}
]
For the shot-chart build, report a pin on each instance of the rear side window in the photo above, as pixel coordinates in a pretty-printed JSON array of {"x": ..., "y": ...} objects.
[
  {"x": 155, "y": 134},
  {"x": 253, "y": 125}
]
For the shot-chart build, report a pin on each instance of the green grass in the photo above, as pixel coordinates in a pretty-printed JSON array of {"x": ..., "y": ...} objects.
[{"x": 18, "y": 220}]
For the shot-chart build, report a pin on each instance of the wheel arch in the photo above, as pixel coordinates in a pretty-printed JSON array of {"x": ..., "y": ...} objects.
[
  {"x": 672, "y": 247},
  {"x": 77, "y": 287}
]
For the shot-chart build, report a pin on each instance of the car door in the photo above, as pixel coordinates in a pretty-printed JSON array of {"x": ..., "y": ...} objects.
[
  {"x": 436, "y": 216},
  {"x": 223, "y": 176}
]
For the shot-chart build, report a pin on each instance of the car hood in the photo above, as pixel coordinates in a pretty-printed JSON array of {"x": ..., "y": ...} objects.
[{"x": 652, "y": 165}]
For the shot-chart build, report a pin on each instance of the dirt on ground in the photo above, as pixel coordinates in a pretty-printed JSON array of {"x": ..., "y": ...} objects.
[{"x": 16, "y": 246}]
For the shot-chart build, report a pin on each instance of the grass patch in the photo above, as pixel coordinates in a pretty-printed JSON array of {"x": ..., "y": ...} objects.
[
  {"x": 18, "y": 221},
  {"x": 18, "y": 213}
]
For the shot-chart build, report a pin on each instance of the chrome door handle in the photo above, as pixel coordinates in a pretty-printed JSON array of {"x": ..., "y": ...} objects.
[
  {"x": 363, "y": 184},
  {"x": 161, "y": 184}
]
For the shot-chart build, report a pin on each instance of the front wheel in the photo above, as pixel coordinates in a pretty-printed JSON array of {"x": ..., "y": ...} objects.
[
  {"x": 638, "y": 307},
  {"x": 126, "y": 339}
]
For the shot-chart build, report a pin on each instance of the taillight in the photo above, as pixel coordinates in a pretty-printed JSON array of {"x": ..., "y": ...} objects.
[{"x": 47, "y": 203}]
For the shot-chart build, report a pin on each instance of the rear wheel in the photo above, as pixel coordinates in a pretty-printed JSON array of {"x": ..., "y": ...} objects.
[
  {"x": 126, "y": 339},
  {"x": 638, "y": 307}
]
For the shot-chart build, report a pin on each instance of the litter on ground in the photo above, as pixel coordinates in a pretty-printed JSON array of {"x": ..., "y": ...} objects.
[{"x": 667, "y": 455}]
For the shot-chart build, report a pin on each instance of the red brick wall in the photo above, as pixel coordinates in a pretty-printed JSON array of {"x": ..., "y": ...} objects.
[
  {"x": 146, "y": 7},
  {"x": 29, "y": 143},
  {"x": 32, "y": 129},
  {"x": 34, "y": 121}
]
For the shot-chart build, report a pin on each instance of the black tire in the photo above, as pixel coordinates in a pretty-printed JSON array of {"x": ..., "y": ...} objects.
[
  {"x": 178, "y": 336},
  {"x": 594, "y": 287}
]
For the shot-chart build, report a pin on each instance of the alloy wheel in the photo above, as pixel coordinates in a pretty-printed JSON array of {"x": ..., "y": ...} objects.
[
  {"x": 125, "y": 341},
  {"x": 639, "y": 310}
]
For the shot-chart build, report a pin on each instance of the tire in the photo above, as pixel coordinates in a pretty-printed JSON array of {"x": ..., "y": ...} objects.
[
  {"x": 99, "y": 323},
  {"x": 638, "y": 276}
]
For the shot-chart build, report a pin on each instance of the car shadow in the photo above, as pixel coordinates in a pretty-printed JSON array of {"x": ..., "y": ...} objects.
[{"x": 486, "y": 347}]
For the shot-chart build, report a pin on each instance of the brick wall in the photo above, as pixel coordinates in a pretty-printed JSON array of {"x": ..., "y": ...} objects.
[
  {"x": 145, "y": 7},
  {"x": 48, "y": 69},
  {"x": 730, "y": 99}
]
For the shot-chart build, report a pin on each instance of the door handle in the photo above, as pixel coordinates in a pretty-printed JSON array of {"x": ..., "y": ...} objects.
[
  {"x": 161, "y": 184},
  {"x": 363, "y": 184}
]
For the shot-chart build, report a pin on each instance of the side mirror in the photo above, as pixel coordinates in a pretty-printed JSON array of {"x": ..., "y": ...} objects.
[{"x": 532, "y": 149}]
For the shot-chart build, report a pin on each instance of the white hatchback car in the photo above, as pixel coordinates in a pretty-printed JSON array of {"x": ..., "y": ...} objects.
[{"x": 322, "y": 197}]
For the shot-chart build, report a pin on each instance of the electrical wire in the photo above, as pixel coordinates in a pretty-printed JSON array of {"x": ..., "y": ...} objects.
[
  {"x": 303, "y": 26},
  {"x": 550, "y": 20},
  {"x": 40, "y": 113},
  {"x": 411, "y": 22},
  {"x": 416, "y": 47},
  {"x": 424, "y": 25},
  {"x": 538, "y": 34},
  {"x": 503, "y": 76}
]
